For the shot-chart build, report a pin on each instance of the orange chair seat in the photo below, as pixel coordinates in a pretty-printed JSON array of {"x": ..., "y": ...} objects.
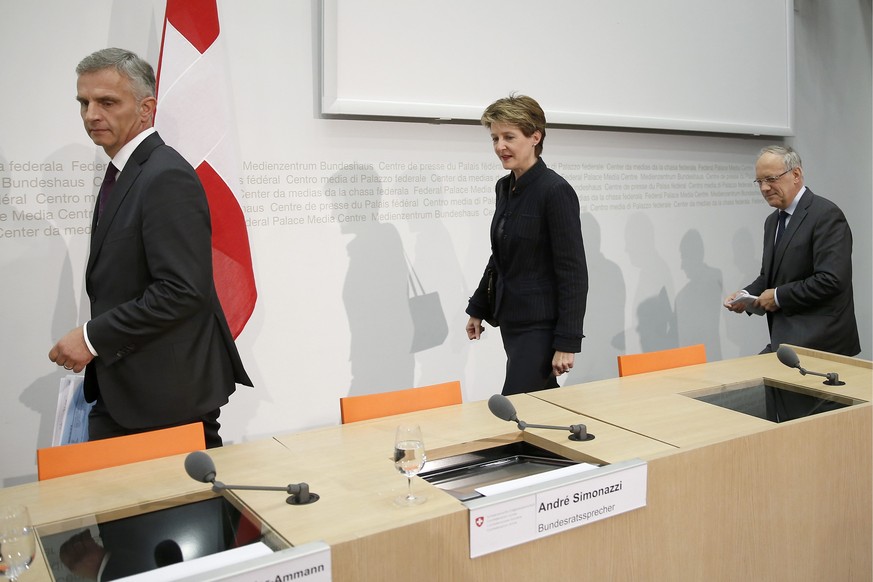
[
  {"x": 630, "y": 364},
  {"x": 81, "y": 457},
  {"x": 366, "y": 406}
]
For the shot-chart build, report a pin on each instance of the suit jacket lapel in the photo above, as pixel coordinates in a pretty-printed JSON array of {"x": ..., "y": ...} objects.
[
  {"x": 769, "y": 237},
  {"x": 126, "y": 179},
  {"x": 797, "y": 219}
]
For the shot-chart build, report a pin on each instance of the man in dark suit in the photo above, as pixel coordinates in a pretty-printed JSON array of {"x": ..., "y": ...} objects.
[
  {"x": 805, "y": 285},
  {"x": 157, "y": 351}
]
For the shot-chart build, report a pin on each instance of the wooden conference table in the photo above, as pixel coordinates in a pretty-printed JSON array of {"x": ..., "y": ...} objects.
[{"x": 730, "y": 496}]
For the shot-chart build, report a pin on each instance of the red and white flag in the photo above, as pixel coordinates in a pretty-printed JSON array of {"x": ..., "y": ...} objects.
[{"x": 195, "y": 116}]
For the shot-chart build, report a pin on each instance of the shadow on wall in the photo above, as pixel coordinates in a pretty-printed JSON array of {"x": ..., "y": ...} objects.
[
  {"x": 747, "y": 259},
  {"x": 436, "y": 263},
  {"x": 51, "y": 287},
  {"x": 699, "y": 302},
  {"x": 655, "y": 322},
  {"x": 604, "y": 318},
  {"x": 376, "y": 287}
]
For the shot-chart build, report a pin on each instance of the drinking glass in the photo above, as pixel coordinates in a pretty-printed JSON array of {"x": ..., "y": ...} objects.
[
  {"x": 409, "y": 459},
  {"x": 17, "y": 542}
]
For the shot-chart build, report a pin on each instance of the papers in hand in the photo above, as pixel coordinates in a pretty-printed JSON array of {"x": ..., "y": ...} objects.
[
  {"x": 71, "y": 417},
  {"x": 748, "y": 301}
]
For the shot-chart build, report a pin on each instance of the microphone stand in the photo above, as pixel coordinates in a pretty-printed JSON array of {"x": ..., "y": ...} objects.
[
  {"x": 502, "y": 408},
  {"x": 833, "y": 378},
  {"x": 580, "y": 432},
  {"x": 299, "y": 493}
]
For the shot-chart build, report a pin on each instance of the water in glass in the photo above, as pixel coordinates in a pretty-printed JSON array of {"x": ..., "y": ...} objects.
[
  {"x": 409, "y": 459},
  {"x": 17, "y": 542}
]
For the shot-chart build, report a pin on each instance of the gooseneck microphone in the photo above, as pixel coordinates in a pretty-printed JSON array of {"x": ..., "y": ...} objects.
[
  {"x": 501, "y": 407},
  {"x": 789, "y": 357},
  {"x": 200, "y": 467}
]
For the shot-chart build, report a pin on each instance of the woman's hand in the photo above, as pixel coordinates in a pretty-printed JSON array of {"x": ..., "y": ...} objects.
[
  {"x": 474, "y": 328},
  {"x": 562, "y": 363}
]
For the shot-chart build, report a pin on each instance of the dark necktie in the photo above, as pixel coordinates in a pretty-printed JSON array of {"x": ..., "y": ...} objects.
[
  {"x": 780, "y": 228},
  {"x": 106, "y": 188}
]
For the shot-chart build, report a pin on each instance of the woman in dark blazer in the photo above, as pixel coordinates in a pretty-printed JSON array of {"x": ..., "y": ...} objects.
[{"x": 535, "y": 285}]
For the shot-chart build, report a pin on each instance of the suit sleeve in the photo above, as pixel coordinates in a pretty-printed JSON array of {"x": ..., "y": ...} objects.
[
  {"x": 478, "y": 306},
  {"x": 570, "y": 266},
  {"x": 176, "y": 275}
]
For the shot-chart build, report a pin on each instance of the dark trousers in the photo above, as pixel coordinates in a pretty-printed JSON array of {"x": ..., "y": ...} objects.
[
  {"x": 102, "y": 426},
  {"x": 529, "y": 356}
]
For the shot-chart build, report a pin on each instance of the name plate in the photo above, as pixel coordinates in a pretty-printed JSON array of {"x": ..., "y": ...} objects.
[
  {"x": 516, "y": 517},
  {"x": 308, "y": 562}
]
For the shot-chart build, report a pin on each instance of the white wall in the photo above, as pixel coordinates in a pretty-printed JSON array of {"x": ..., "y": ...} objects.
[{"x": 332, "y": 316}]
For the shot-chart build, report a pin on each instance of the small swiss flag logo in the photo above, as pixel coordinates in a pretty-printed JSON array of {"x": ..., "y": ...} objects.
[{"x": 480, "y": 521}]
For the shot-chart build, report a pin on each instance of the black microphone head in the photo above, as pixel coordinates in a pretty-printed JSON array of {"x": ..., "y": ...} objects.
[
  {"x": 788, "y": 357},
  {"x": 502, "y": 408},
  {"x": 200, "y": 467}
]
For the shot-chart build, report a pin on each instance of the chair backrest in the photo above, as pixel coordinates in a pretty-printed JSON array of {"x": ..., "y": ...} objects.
[
  {"x": 81, "y": 457},
  {"x": 354, "y": 408},
  {"x": 629, "y": 364}
]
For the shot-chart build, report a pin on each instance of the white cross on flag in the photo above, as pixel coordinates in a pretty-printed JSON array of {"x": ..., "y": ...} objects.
[{"x": 195, "y": 116}]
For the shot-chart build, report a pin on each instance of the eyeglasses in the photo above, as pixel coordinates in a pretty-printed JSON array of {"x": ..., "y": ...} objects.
[{"x": 770, "y": 179}]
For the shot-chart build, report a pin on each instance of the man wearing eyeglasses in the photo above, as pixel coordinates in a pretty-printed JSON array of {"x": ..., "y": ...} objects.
[{"x": 805, "y": 286}]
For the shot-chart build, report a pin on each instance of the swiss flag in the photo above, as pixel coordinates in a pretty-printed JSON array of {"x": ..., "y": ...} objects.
[{"x": 195, "y": 116}]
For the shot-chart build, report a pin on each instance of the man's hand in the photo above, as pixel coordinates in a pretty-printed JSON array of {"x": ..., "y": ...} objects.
[
  {"x": 767, "y": 300},
  {"x": 71, "y": 351},
  {"x": 736, "y": 307}
]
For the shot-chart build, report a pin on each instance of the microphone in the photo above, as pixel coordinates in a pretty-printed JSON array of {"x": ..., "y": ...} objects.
[
  {"x": 789, "y": 357},
  {"x": 501, "y": 407},
  {"x": 200, "y": 467}
]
